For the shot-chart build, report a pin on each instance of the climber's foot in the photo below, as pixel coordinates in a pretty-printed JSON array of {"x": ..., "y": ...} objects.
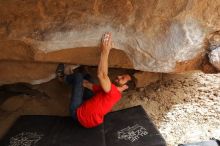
[{"x": 60, "y": 72}]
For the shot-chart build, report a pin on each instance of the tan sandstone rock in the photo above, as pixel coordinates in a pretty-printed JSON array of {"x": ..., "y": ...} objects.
[
  {"x": 146, "y": 78},
  {"x": 149, "y": 35},
  {"x": 34, "y": 73}
]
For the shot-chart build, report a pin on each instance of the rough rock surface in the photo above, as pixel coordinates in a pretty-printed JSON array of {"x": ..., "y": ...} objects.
[
  {"x": 146, "y": 78},
  {"x": 34, "y": 73},
  {"x": 152, "y": 35},
  {"x": 214, "y": 58}
]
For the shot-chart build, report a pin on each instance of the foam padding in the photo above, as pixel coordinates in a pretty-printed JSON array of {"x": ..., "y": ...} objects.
[
  {"x": 52, "y": 131},
  {"x": 129, "y": 127}
]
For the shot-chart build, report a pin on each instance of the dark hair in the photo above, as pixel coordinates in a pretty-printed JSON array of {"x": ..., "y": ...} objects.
[{"x": 132, "y": 83}]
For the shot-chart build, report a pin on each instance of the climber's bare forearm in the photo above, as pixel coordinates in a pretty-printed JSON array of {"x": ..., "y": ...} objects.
[
  {"x": 103, "y": 72},
  {"x": 103, "y": 62}
]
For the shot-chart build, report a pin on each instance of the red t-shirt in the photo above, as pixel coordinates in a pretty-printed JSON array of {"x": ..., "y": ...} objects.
[{"x": 91, "y": 113}]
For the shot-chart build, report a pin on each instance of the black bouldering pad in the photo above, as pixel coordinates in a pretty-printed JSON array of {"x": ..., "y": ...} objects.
[
  {"x": 52, "y": 131},
  {"x": 129, "y": 127}
]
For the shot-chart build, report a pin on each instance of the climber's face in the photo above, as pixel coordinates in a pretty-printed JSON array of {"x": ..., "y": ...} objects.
[{"x": 122, "y": 79}]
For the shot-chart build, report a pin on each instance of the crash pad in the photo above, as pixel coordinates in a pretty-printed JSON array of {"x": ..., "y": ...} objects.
[
  {"x": 131, "y": 127},
  {"x": 128, "y": 127}
]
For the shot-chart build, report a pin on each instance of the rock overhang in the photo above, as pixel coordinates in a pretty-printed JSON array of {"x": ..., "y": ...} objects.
[{"x": 151, "y": 36}]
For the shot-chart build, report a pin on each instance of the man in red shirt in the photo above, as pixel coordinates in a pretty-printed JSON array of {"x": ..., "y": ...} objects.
[{"x": 91, "y": 102}]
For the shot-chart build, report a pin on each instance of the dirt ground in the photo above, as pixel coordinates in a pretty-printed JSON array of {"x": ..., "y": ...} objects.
[{"x": 184, "y": 107}]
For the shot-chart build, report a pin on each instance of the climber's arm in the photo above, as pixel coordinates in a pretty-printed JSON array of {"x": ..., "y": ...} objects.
[{"x": 102, "y": 73}]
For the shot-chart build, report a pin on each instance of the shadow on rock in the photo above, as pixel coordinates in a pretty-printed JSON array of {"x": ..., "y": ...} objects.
[{"x": 19, "y": 89}]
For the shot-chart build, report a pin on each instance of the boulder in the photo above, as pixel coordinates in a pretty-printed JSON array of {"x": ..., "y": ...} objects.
[
  {"x": 34, "y": 73},
  {"x": 214, "y": 47},
  {"x": 214, "y": 57},
  {"x": 153, "y": 36},
  {"x": 146, "y": 78}
]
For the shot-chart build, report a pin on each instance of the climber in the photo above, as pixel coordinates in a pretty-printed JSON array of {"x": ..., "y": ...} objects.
[{"x": 91, "y": 102}]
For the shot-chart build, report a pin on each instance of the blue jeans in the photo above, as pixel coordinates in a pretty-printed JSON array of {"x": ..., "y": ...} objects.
[{"x": 79, "y": 94}]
